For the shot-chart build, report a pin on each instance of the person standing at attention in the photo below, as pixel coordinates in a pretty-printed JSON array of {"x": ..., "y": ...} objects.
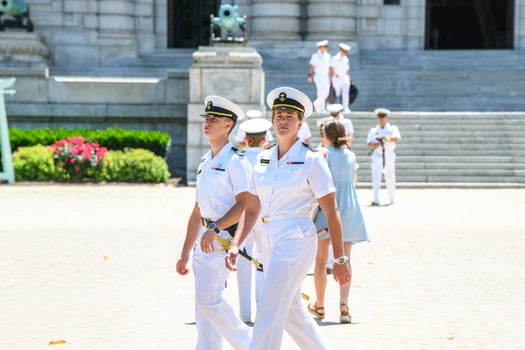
[
  {"x": 223, "y": 178},
  {"x": 318, "y": 72},
  {"x": 289, "y": 181},
  {"x": 382, "y": 139},
  {"x": 255, "y": 131},
  {"x": 343, "y": 166},
  {"x": 340, "y": 75}
]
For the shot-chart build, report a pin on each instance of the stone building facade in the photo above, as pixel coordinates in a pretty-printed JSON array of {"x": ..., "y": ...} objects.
[
  {"x": 106, "y": 41},
  {"x": 96, "y": 32}
]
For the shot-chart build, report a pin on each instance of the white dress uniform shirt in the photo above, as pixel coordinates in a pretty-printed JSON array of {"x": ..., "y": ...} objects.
[
  {"x": 376, "y": 164},
  {"x": 321, "y": 62},
  {"x": 341, "y": 77},
  {"x": 219, "y": 180},
  {"x": 349, "y": 127},
  {"x": 224, "y": 176},
  {"x": 388, "y": 131},
  {"x": 287, "y": 189}
]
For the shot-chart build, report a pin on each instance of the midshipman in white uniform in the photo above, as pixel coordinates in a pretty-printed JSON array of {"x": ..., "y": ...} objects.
[
  {"x": 222, "y": 188},
  {"x": 289, "y": 181}
]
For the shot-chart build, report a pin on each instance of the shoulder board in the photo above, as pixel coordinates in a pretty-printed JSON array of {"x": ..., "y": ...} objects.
[
  {"x": 309, "y": 147},
  {"x": 272, "y": 145},
  {"x": 238, "y": 151}
]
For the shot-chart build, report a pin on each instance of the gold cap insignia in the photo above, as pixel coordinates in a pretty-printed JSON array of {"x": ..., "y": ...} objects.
[{"x": 282, "y": 97}]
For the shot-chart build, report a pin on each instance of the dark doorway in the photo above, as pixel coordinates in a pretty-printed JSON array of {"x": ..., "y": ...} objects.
[
  {"x": 469, "y": 24},
  {"x": 189, "y": 22}
]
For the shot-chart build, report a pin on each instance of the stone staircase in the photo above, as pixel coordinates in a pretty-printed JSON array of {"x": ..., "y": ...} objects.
[
  {"x": 447, "y": 147},
  {"x": 485, "y": 80},
  {"x": 461, "y": 113}
]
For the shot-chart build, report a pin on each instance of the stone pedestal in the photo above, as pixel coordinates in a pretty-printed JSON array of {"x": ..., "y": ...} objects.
[
  {"x": 22, "y": 49},
  {"x": 231, "y": 71}
]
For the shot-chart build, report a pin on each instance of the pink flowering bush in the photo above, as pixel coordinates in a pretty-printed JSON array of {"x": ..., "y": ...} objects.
[{"x": 78, "y": 158}]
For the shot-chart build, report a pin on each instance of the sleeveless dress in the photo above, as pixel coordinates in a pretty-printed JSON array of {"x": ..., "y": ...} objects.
[{"x": 342, "y": 163}]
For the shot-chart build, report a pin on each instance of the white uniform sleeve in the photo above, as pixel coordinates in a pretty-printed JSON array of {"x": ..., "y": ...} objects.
[
  {"x": 372, "y": 136},
  {"x": 241, "y": 173},
  {"x": 395, "y": 132},
  {"x": 349, "y": 126},
  {"x": 320, "y": 179},
  {"x": 314, "y": 60}
]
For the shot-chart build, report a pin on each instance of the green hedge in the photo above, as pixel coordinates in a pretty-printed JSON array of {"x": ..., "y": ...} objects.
[
  {"x": 158, "y": 142},
  {"x": 36, "y": 163}
]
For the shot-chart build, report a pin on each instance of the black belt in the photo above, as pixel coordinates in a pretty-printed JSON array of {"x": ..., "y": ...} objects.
[{"x": 231, "y": 230}]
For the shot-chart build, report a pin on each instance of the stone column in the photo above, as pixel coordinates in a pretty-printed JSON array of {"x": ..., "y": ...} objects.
[
  {"x": 519, "y": 25},
  {"x": 228, "y": 70},
  {"x": 116, "y": 30},
  {"x": 275, "y": 20},
  {"x": 332, "y": 19}
]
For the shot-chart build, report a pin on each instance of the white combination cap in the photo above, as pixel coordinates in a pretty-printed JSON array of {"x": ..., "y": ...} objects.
[
  {"x": 289, "y": 98},
  {"x": 322, "y": 121},
  {"x": 335, "y": 108},
  {"x": 253, "y": 113},
  {"x": 381, "y": 112},
  {"x": 255, "y": 126},
  {"x": 345, "y": 47},
  {"x": 217, "y": 106},
  {"x": 322, "y": 43}
]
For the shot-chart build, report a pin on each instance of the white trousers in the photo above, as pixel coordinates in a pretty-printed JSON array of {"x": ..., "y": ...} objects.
[
  {"x": 244, "y": 280},
  {"x": 322, "y": 84},
  {"x": 256, "y": 246},
  {"x": 293, "y": 245},
  {"x": 215, "y": 318},
  {"x": 342, "y": 88},
  {"x": 390, "y": 175}
]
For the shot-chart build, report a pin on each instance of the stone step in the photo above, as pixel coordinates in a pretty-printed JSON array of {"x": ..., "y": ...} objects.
[{"x": 447, "y": 147}]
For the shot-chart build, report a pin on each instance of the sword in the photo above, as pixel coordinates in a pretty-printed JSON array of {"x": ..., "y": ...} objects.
[{"x": 242, "y": 252}]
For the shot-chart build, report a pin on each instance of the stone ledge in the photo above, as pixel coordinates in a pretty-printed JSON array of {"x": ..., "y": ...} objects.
[{"x": 19, "y": 49}]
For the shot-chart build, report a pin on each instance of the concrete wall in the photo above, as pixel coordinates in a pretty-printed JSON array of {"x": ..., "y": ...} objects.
[{"x": 131, "y": 103}]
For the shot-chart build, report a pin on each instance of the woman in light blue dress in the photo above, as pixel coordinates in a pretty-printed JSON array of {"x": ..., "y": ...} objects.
[{"x": 343, "y": 166}]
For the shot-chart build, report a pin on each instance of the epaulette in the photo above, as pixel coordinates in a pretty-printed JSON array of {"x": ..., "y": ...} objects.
[
  {"x": 238, "y": 151},
  {"x": 309, "y": 147},
  {"x": 272, "y": 145}
]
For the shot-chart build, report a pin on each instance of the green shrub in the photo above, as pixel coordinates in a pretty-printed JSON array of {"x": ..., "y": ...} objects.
[
  {"x": 158, "y": 142},
  {"x": 135, "y": 165},
  {"x": 34, "y": 163}
]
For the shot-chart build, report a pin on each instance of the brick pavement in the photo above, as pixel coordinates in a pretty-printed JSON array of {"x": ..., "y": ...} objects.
[{"x": 94, "y": 265}]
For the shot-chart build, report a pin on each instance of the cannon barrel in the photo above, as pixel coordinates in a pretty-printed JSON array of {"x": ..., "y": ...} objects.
[
  {"x": 228, "y": 19},
  {"x": 13, "y": 7}
]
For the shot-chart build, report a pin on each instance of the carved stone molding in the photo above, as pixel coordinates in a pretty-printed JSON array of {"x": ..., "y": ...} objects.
[{"x": 23, "y": 49}]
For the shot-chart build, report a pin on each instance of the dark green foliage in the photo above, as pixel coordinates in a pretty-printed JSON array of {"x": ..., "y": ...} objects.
[
  {"x": 158, "y": 142},
  {"x": 36, "y": 163}
]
